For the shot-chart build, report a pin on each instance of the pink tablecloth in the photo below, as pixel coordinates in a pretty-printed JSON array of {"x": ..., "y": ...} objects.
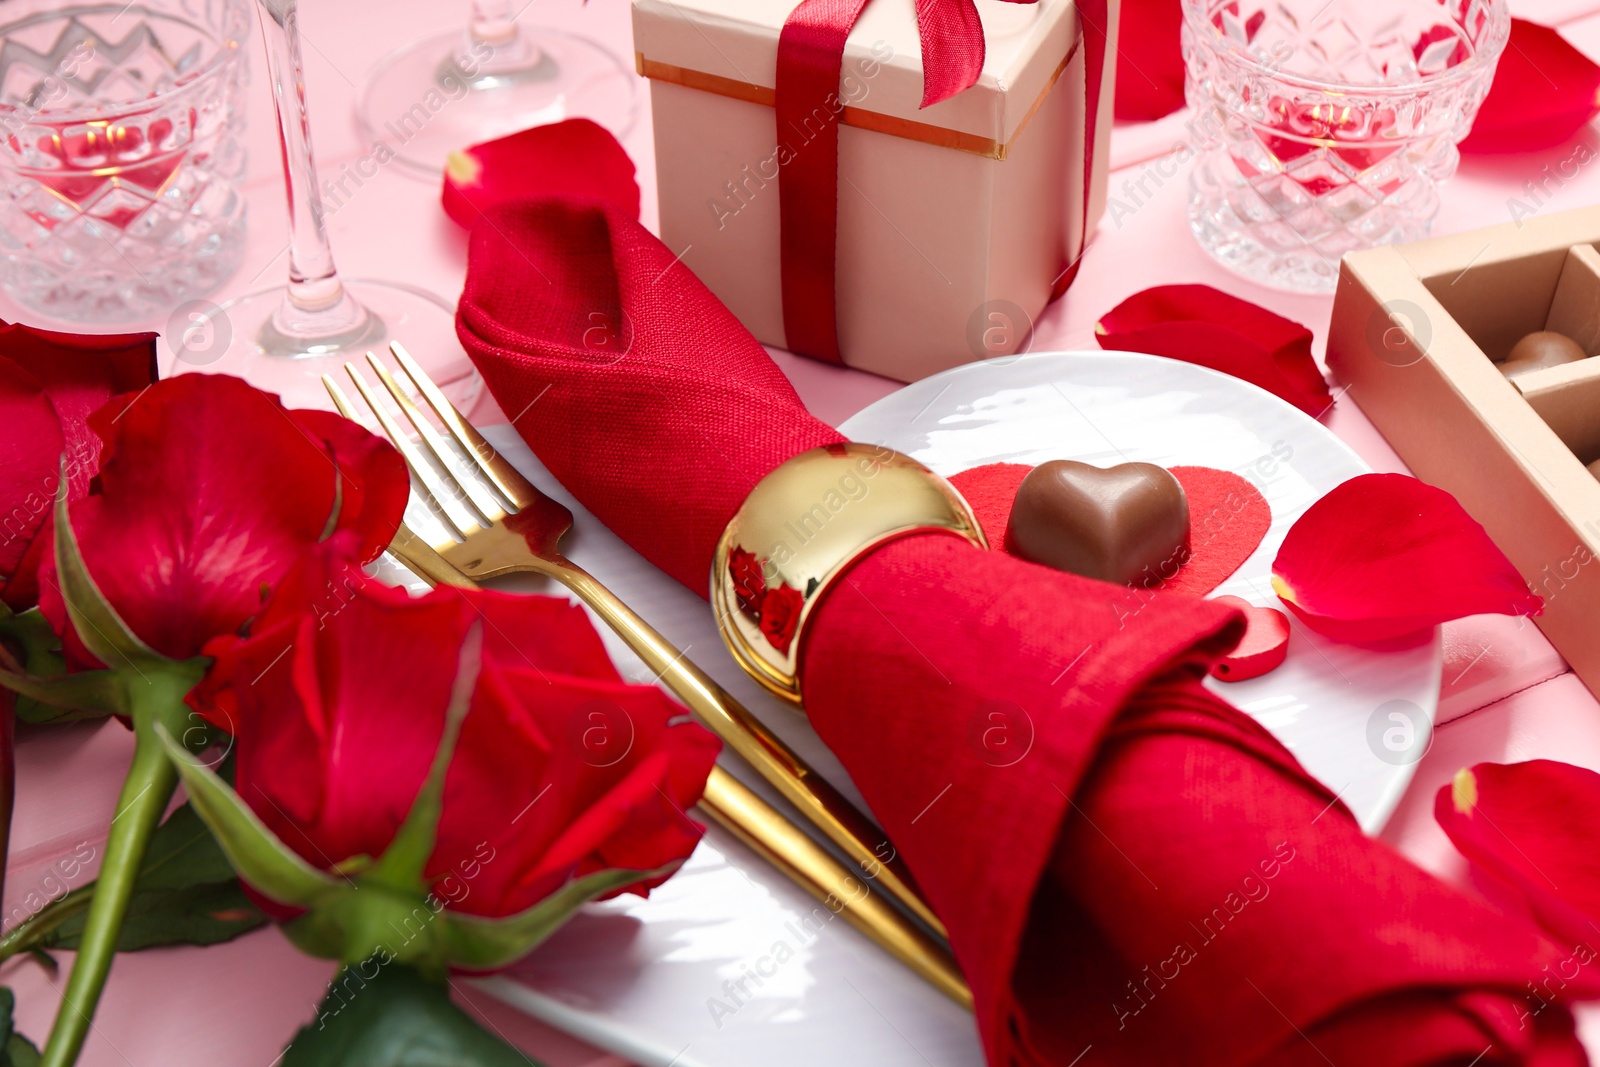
[{"x": 1507, "y": 694}]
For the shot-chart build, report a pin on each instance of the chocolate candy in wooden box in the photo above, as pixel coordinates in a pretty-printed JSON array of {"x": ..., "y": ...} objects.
[{"x": 1432, "y": 341}]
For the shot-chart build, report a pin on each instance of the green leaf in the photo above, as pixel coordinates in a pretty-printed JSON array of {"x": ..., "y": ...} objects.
[
  {"x": 183, "y": 853},
  {"x": 186, "y": 894},
  {"x": 401, "y": 865},
  {"x": 207, "y": 913},
  {"x": 70, "y": 697},
  {"x": 36, "y": 650},
  {"x": 256, "y": 853},
  {"x": 384, "y": 1014},
  {"x": 31, "y": 634},
  {"x": 20, "y": 1052},
  {"x": 486, "y": 944},
  {"x": 47, "y": 693},
  {"x": 97, "y": 623},
  {"x": 15, "y": 1050}
]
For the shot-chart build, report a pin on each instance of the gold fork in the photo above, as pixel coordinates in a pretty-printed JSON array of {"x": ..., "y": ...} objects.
[{"x": 512, "y": 526}]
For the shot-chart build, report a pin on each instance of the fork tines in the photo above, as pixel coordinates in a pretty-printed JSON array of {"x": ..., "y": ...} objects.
[{"x": 463, "y": 480}]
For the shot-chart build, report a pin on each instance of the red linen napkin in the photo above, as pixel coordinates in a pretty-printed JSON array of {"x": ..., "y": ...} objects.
[{"x": 1132, "y": 872}]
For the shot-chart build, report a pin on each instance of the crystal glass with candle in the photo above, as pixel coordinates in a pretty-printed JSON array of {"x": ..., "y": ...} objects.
[
  {"x": 120, "y": 154},
  {"x": 1326, "y": 126}
]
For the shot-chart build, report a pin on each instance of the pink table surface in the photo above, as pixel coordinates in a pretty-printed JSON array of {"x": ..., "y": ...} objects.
[{"x": 1507, "y": 694}]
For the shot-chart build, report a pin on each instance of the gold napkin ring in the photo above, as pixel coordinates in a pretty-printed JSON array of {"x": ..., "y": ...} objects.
[{"x": 800, "y": 528}]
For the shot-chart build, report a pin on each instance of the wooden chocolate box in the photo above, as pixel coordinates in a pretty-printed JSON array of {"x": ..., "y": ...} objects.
[{"x": 1417, "y": 333}]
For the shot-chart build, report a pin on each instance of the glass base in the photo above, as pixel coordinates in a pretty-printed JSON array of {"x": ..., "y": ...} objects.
[
  {"x": 261, "y": 338},
  {"x": 447, "y": 92},
  {"x": 84, "y": 271},
  {"x": 1277, "y": 231}
]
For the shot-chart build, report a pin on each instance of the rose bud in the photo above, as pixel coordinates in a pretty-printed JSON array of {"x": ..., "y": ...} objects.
[
  {"x": 480, "y": 745},
  {"x": 209, "y": 490}
]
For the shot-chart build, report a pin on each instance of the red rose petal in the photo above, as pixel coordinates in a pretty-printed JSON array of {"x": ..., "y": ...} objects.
[
  {"x": 102, "y": 364},
  {"x": 1544, "y": 91},
  {"x": 374, "y": 482},
  {"x": 1149, "y": 60},
  {"x": 1385, "y": 555},
  {"x": 1531, "y": 825},
  {"x": 1228, "y": 517},
  {"x": 81, "y": 372},
  {"x": 75, "y": 374},
  {"x": 30, "y": 462},
  {"x": 571, "y": 159},
  {"x": 1207, "y": 327},
  {"x": 1262, "y": 649}
]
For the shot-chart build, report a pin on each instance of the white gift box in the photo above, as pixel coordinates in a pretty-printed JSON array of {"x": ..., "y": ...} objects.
[{"x": 954, "y": 221}]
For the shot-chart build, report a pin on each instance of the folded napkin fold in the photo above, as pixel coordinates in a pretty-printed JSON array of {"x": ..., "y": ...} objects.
[{"x": 1135, "y": 873}]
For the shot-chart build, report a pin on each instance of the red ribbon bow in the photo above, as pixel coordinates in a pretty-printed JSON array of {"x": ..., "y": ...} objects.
[{"x": 810, "y": 61}]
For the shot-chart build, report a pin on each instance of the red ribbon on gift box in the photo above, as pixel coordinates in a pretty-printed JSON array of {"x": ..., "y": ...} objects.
[{"x": 810, "y": 60}]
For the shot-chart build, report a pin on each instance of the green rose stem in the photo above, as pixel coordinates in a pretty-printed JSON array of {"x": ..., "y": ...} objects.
[
  {"x": 149, "y": 688},
  {"x": 145, "y": 794}
]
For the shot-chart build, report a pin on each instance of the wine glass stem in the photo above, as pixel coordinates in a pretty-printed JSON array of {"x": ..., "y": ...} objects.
[
  {"x": 313, "y": 281},
  {"x": 493, "y": 22}
]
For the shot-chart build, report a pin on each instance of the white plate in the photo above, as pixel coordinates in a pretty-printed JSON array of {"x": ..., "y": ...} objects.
[
  {"x": 1358, "y": 720},
  {"x": 650, "y": 979}
]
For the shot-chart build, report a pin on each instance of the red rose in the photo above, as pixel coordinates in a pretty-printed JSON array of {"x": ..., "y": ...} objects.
[
  {"x": 338, "y": 700},
  {"x": 208, "y": 491},
  {"x": 780, "y": 614},
  {"x": 749, "y": 580},
  {"x": 49, "y": 383}
]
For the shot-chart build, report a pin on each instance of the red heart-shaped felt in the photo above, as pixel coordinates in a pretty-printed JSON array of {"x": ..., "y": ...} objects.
[{"x": 1228, "y": 517}]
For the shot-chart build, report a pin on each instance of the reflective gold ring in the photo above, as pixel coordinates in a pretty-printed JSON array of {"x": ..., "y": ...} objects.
[{"x": 801, "y": 527}]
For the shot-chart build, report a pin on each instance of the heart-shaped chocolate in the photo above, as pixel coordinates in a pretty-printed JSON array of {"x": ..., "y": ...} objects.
[
  {"x": 1228, "y": 517},
  {"x": 1127, "y": 524}
]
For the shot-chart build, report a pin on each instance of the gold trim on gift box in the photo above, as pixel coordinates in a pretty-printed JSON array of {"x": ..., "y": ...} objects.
[
  {"x": 861, "y": 118},
  {"x": 802, "y": 527}
]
